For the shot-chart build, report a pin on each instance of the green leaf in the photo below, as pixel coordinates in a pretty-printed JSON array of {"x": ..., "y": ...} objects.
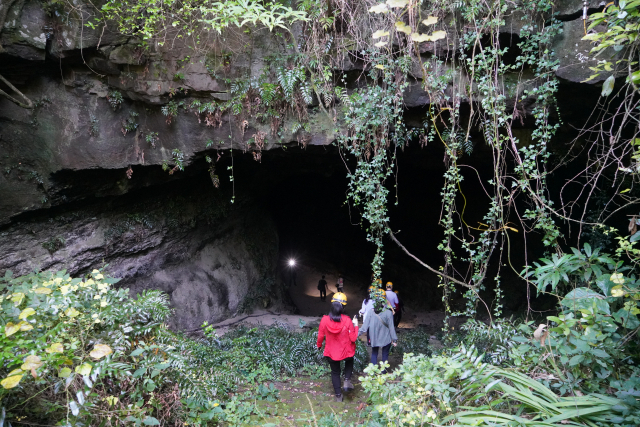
[
  {"x": 150, "y": 421},
  {"x": 84, "y": 369},
  {"x": 11, "y": 382},
  {"x": 576, "y": 360},
  {"x": 607, "y": 86},
  {"x": 584, "y": 298},
  {"x": 74, "y": 408},
  {"x": 137, "y": 352},
  {"x": 600, "y": 353},
  {"x": 627, "y": 319},
  {"x": 100, "y": 350},
  {"x": 11, "y": 329}
]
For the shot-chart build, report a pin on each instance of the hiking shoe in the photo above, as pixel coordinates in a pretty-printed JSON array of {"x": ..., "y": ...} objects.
[
  {"x": 339, "y": 398},
  {"x": 347, "y": 385}
]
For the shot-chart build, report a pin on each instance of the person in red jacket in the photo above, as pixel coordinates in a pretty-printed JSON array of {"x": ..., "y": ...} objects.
[{"x": 341, "y": 334}]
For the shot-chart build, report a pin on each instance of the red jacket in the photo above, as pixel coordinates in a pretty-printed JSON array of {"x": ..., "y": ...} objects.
[{"x": 341, "y": 337}]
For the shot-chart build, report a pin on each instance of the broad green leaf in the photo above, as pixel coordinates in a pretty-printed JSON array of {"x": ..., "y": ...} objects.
[
  {"x": 55, "y": 348},
  {"x": 430, "y": 20},
  {"x": 17, "y": 298},
  {"x": 627, "y": 319},
  {"x": 11, "y": 382},
  {"x": 137, "y": 352},
  {"x": 64, "y": 373},
  {"x": 617, "y": 291},
  {"x": 635, "y": 236},
  {"x": 584, "y": 298},
  {"x": 438, "y": 35},
  {"x": 380, "y": 33},
  {"x": 72, "y": 312},
  {"x": 576, "y": 359},
  {"x": 84, "y": 369},
  {"x": 617, "y": 278},
  {"x": 607, "y": 86},
  {"x": 26, "y": 313},
  {"x": 31, "y": 362},
  {"x": 10, "y": 329},
  {"x": 44, "y": 291},
  {"x": 419, "y": 38},
  {"x": 600, "y": 353},
  {"x": 403, "y": 28},
  {"x": 150, "y": 421},
  {"x": 100, "y": 350}
]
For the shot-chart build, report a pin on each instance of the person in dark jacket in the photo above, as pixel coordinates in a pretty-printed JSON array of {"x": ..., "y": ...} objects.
[
  {"x": 379, "y": 324},
  {"x": 322, "y": 287},
  {"x": 341, "y": 334}
]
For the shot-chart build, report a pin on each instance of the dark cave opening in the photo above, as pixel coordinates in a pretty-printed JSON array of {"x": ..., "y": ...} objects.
[{"x": 305, "y": 189}]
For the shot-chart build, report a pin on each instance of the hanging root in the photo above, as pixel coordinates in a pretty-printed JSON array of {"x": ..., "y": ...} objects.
[{"x": 28, "y": 104}]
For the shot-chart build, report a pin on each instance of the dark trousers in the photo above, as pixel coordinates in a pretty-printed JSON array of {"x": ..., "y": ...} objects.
[
  {"x": 385, "y": 354},
  {"x": 397, "y": 317},
  {"x": 335, "y": 372},
  {"x": 323, "y": 294}
]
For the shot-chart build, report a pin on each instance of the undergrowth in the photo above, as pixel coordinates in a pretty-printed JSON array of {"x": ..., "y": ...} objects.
[{"x": 79, "y": 352}]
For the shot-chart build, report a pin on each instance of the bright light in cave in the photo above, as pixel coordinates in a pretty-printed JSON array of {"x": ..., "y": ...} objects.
[{"x": 292, "y": 262}]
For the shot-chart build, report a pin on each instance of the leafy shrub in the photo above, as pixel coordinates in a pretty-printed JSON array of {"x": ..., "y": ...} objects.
[
  {"x": 79, "y": 352},
  {"x": 591, "y": 340},
  {"x": 496, "y": 340},
  {"x": 461, "y": 389}
]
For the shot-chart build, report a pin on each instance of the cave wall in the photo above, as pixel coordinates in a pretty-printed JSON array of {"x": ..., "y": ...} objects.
[
  {"x": 184, "y": 238},
  {"x": 69, "y": 200}
]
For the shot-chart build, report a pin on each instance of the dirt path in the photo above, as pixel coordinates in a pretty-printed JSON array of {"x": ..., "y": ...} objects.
[
  {"x": 305, "y": 400},
  {"x": 306, "y": 296}
]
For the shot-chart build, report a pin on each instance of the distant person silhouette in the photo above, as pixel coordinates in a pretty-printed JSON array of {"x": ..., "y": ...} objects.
[
  {"x": 322, "y": 287},
  {"x": 340, "y": 284}
]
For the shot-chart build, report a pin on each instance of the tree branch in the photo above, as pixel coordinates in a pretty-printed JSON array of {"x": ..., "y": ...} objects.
[{"x": 428, "y": 267}]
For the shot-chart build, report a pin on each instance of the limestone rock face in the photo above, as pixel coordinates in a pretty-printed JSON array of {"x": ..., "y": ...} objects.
[
  {"x": 573, "y": 53},
  {"x": 74, "y": 126},
  {"x": 190, "y": 244}
]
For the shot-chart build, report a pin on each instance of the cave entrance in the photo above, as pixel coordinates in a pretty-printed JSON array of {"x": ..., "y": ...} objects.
[{"x": 305, "y": 190}]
